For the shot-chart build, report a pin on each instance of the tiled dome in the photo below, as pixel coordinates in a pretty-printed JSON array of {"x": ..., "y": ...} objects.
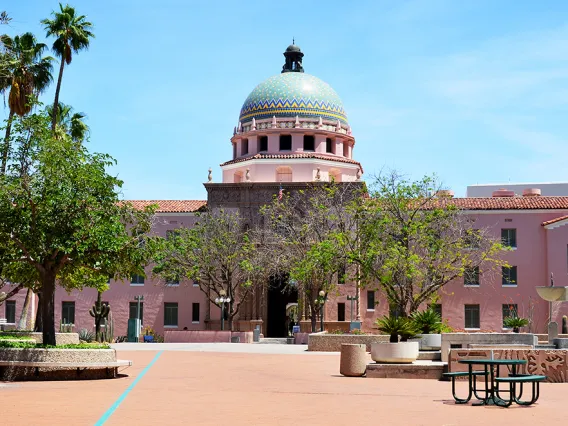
[{"x": 292, "y": 94}]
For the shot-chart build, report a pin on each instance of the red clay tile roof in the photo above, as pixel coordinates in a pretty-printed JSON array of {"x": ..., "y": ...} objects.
[
  {"x": 170, "y": 206},
  {"x": 509, "y": 203},
  {"x": 558, "y": 219},
  {"x": 292, "y": 156}
]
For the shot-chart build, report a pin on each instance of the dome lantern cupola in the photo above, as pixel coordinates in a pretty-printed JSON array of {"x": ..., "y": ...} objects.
[{"x": 293, "y": 57}]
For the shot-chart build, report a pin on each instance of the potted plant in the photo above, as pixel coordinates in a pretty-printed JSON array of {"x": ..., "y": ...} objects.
[
  {"x": 399, "y": 352},
  {"x": 429, "y": 325},
  {"x": 515, "y": 323}
]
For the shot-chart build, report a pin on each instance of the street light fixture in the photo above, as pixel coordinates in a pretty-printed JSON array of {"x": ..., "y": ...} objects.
[
  {"x": 221, "y": 302},
  {"x": 321, "y": 301}
]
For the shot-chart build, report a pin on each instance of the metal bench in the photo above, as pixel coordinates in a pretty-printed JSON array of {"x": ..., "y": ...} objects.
[
  {"x": 472, "y": 386},
  {"x": 513, "y": 380}
]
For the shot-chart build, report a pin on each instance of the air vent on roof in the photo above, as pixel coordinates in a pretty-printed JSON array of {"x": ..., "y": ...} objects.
[
  {"x": 531, "y": 192},
  {"x": 503, "y": 193}
]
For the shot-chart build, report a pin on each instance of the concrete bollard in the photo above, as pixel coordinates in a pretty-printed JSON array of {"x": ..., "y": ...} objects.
[{"x": 353, "y": 362}]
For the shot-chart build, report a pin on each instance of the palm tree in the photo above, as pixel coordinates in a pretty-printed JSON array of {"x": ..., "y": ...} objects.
[
  {"x": 70, "y": 122},
  {"x": 23, "y": 72},
  {"x": 73, "y": 34}
]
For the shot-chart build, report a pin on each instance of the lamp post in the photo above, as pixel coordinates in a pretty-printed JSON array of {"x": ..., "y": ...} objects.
[
  {"x": 139, "y": 299},
  {"x": 221, "y": 302},
  {"x": 321, "y": 301}
]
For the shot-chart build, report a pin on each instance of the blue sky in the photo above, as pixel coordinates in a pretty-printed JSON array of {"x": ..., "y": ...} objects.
[{"x": 472, "y": 90}]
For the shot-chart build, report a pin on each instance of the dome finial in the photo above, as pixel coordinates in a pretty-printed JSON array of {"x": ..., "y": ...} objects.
[{"x": 293, "y": 57}]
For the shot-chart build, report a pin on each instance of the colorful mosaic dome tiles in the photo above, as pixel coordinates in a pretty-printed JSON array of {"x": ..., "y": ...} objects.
[{"x": 293, "y": 94}]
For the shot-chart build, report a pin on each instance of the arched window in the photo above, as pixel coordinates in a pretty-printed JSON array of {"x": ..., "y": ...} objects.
[
  {"x": 334, "y": 175},
  {"x": 238, "y": 177},
  {"x": 346, "y": 150},
  {"x": 284, "y": 174}
]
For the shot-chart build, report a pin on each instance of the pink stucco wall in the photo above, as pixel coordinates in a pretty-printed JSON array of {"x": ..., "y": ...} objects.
[{"x": 539, "y": 252}]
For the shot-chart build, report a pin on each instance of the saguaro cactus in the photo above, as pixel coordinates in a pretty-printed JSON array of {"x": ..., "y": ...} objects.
[
  {"x": 99, "y": 311},
  {"x": 564, "y": 324}
]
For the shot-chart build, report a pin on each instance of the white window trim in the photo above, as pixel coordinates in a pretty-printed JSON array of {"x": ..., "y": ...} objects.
[
  {"x": 509, "y": 285},
  {"x": 195, "y": 284},
  {"x": 465, "y": 328},
  {"x": 370, "y": 310},
  {"x": 195, "y": 322},
  {"x": 171, "y": 326},
  {"x": 471, "y": 285},
  {"x": 136, "y": 285},
  {"x": 172, "y": 284}
]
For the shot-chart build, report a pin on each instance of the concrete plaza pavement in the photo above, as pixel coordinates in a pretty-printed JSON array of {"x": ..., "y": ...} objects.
[{"x": 214, "y": 384}]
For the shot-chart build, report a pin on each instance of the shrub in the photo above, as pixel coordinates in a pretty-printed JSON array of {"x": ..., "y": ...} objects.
[
  {"x": 427, "y": 322},
  {"x": 149, "y": 331},
  {"x": 358, "y": 332},
  {"x": 86, "y": 335},
  {"x": 396, "y": 326},
  {"x": 515, "y": 323},
  {"x": 26, "y": 345}
]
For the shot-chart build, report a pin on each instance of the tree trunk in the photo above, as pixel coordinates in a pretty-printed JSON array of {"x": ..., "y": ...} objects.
[
  {"x": 23, "y": 323},
  {"x": 314, "y": 321},
  {"x": 6, "y": 148},
  {"x": 38, "y": 325},
  {"x": 56, "y": 101},
  {"x": 48, "y": 305}
]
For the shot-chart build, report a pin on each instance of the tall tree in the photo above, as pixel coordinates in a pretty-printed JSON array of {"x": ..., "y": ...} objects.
[
  {"x": 62, "y": 219},
  {"x": 25, "y": 72},
  {"x": 412, "y": 241},
  {"x": 70, "y": 122},
  {"x": 219, "y": 254},
  {"x": 309, "y": 234},
  {"x": 72, "y": 34}
]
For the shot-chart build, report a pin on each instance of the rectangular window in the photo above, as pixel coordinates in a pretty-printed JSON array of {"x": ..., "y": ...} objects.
[
  {"x": 509, "y": 237},
  {"x": 68, "y": 312},
  {"x": 471, "y": 316},
  {"x": 137, "y": 280},
  {"x": 346, "y": 150},
  {"x": 341, "y": 312},
  {"x": 234, "y": 150},
  {"x": 285, "y": 142},
  {"x": 10, "y": 311},
  {"x": 436, "y": 307},
  {"x": 329, "y": 145},
  {"x": 170, "y": 314},
  {"x": 371, "y": 300},
  {"x": 244, "y": 146},
  {"x": 509, "y": 310},
  {"x": 309, "y": 143},
  {"x": 134, "y": 311},
  {"x": 196, "y": 283},
  {"x": 509, "y": 275},
  {"x": 471, "y": 276},
  {"x": 195, "y": 312},
  {"x": 263, "y": 143},
  {"x": 173, "y": 282}
]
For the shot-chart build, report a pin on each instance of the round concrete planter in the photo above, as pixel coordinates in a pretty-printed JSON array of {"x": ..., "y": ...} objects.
[
  {"x": 396, "y": 353},
  {"x": 58, "y": 355},
  {"x": 430, "y": 342},
  {"x": 353, "y": 361}
]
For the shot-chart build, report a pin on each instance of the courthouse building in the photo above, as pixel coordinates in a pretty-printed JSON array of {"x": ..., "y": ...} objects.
[{"x": 292, "y": 131}]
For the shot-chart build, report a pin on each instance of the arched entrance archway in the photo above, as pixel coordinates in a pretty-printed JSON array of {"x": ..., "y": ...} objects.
[{"x": 280, "y": 296}]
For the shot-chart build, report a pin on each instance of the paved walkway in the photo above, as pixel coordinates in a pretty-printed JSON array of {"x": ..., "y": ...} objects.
[
  {"x": 256, "y": 348},
  {"x": 192, "y": 387}
]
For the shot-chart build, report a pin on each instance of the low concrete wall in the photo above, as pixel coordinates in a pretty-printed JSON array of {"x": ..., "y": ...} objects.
[
  {"x": 462, "y": 340},
  {"x": 58, "y": 355},
  {"x": 549, "y": 363},
  {"x": 60, "y": 338},
  {"x": 301, "y": 338},
  {"x": 205, "y": 336},
  {"x": 323, "y": 342}
]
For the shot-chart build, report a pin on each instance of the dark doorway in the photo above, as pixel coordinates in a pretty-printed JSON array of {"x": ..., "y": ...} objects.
[{"x": 280, "y": 294}]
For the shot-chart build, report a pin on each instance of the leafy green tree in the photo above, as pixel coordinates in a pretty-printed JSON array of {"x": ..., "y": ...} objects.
[
  {"x": 308, "y": 234},
  {"x": 413, "y": 242},
  {"x": 72, "y": 33},
  {"x": 219, "y": 254},
  {"x": 24, "y": 73},
  {"x": 62, "y": 219},
  {"x": 70, "y": 122}
]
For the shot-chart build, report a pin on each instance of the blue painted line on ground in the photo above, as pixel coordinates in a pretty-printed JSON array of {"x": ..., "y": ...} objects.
[{"x": 121, "y": 398}]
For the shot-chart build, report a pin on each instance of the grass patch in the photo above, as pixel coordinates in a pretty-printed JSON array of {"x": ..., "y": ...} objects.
[
  {"x": 4, "y": 337},
  {"x": 26, "y": 345}
]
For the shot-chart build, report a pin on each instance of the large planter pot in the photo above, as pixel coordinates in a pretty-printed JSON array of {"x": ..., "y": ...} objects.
[
  {"x": 430, "y": 342},
  {"x": 395, "y": 353},
  {"x": 353, "y": 360}
]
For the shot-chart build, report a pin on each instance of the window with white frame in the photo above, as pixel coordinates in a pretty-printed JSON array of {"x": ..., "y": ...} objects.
[
  {"x": 137, "y": 280},
  {"x": 471, "y": 276}
]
